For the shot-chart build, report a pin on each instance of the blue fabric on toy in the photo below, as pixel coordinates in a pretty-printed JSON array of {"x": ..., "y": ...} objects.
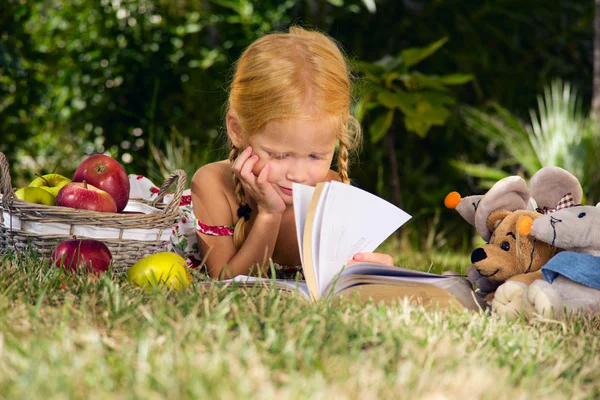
[{"x": 579, "y": 267}]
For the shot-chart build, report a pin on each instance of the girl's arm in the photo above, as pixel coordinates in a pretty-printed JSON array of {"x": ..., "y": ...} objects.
[{"x": 212, "y": 207}]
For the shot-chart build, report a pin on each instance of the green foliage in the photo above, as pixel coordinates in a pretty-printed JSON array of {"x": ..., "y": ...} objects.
[
  {"x": 120, "y": 76},
  {"x": 117, "y": 76},
  {"x": 423, "y": 101},
  {"x": 560, "y": 133}
]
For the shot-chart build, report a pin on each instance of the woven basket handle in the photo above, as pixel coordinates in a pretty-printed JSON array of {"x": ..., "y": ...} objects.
[
  {"x": 173, "y": 206},
  {"x": 5, "y": 181}
]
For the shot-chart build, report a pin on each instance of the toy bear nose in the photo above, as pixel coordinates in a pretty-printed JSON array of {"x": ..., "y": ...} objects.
[{"x": 477, "y": 255}]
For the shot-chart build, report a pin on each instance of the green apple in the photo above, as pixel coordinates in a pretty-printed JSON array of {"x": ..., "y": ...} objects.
[
  {"x": 36, "y": 195},
  {"x": 52, "y": 183},
  {"x": 164, "y": 268}
]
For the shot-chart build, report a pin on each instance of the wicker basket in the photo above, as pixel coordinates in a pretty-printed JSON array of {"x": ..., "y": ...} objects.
[{"x": 21, "y": 222}]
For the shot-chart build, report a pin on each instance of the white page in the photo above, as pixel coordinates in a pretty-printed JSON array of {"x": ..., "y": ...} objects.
[
  {"x": 317, "y": 232},
  {"x": 354, "y": 221},
  {"x": 302, "y": 194}
]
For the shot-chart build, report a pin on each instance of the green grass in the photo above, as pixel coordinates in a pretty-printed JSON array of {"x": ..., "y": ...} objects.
[{"x": 64, "y": 336}]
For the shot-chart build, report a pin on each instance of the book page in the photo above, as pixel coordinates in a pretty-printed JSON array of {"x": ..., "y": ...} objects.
[
  {"x": 353, "y": 221},
  {"x": 403, "y": 281},
  {"x": 365, "y": 268},
  {"x": 346, "y": 281},
  {"x": 316, "y": 232},
  {"x": 367, "y": 273},
  {"x": 310, "y": 239},
  {"x": 302, "y": 195}
]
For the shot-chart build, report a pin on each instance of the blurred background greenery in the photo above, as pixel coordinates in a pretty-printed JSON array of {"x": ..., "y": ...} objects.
[{"x": 452, "y": 94}]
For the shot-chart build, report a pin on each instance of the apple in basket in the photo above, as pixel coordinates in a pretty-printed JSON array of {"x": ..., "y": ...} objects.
[
  {"x": 105, "y": 173},
  {"x": 36, "y": 195},
  {"x": 164, "y": 268},
  {"x": 83, "y": 196},
  {"x": 93, "y": 255},
  {"x": 52, "y": 183}
]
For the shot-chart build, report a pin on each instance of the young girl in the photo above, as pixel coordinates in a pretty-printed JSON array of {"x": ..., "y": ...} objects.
[{"x": 288, "y": 110}]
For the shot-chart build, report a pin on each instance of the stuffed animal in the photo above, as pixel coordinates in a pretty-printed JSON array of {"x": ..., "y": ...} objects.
[
  {"x": 507, "y": 254},
  {"x": 571, "y": 281}
]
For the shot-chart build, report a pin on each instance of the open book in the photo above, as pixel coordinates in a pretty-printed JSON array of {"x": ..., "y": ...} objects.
[{"x": 334, "y": 221}]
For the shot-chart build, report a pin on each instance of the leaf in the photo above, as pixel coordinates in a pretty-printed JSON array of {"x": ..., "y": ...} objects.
[
  {"x": 426, "y": 115},
  {"x": 403, "y": 101},
  {"x": 390, "y": 63},
  {"x": 390, "y": 78},
  {"x": 417, "y": 125},
  {"x": 417, "y": 80},
  {"x": 370, "y": 4},
  {"x": 381, "y": 125},
  {"x": 455, "y": 79},
  {"x": 434, "y": 114},
  {"x": 415, "y": 55},
  {"x": 479, "y": 171},
  {"x": 506, "y": 130},
  {"x": 193, "y": 28},
  {"x": 361, "y": 106},
  {"x": 438, "y": 99},
  {"x": 369, "y": 69}
]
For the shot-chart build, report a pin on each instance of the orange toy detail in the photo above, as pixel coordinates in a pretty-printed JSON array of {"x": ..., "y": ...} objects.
[
  {"x": 452, "y": 199},
  {"x": 524, "y": 225}
]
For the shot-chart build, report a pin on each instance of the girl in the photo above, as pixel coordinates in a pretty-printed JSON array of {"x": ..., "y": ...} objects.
[{"x": 288, "y": 110}]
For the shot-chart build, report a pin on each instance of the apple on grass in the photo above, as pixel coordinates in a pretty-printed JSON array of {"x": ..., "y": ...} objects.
[
  {"x": 52, "y": 183},
  {"x": 107, "y": 174},
  {"x": 36, "y": 195},
  {"x": 83, "y": 196},
  {"x": 89, "y": 254},
  {"x": 164, "y": 268}
]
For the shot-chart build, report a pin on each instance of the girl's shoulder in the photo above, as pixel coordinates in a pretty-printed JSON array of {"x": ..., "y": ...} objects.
[
  {"x": 213, "y": 195},
  {"x": 216, "y": 175},
  {"x": 213, "y": 183}
]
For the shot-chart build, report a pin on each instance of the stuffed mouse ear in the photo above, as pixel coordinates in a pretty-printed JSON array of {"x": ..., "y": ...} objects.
[
  {"x": 509, "y": 194},
  {"x": 550, "y": 184},
  {"x": 466, "y": 206}
]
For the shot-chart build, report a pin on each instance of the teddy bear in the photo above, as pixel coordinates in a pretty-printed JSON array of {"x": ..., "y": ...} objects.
[
  {"x": 507, "y": 255},
  {"x": 571, "y": 279}
]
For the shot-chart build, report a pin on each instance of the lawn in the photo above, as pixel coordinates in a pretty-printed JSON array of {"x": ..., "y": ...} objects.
[{"x": 64, "y": 336}]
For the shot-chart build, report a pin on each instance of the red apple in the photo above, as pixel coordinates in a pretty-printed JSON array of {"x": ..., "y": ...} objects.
[
  {"x": 107, "y": 174},
  {"x": 93, "y": 255},
  {"x": 83, "y": 196}
]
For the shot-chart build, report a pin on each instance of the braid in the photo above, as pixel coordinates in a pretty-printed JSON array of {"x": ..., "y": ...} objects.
[
  {"x": 239, "y": 233},
  {"x": 342, "y": 162},
  {"x": 348, "y": 140}
]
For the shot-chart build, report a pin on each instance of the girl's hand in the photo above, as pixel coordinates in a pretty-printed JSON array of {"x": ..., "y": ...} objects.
[
  {"x": 258, "y": 187},
  {"x": 377, "y": 258}
]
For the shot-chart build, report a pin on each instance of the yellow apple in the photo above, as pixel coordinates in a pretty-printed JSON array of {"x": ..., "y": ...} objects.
[
  {"x": 52, "y": 183},
  {"x": 164, "y": 268},
  {"x": 36, "y": 195}
]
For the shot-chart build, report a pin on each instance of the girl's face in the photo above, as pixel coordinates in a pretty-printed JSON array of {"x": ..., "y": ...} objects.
[{"x": 298, "y": 151}]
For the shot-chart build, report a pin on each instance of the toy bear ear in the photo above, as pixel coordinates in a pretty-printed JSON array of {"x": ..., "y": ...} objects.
[
  {"x": 550, "y": 184},
  {"x": 496, "y": 218},
  {"x": 508, "y": 194}
]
